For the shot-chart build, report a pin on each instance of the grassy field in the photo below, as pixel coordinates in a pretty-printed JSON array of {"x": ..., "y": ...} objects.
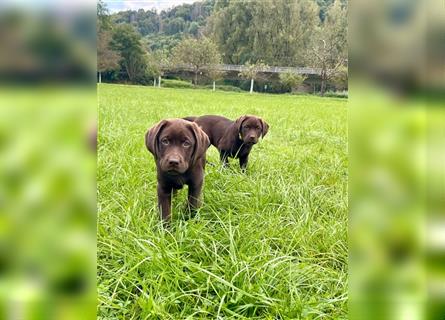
[{"x": 268, "y": 244}]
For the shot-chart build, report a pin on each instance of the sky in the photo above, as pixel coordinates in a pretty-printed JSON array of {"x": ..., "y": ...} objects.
[{"x": 159, "y": 5}]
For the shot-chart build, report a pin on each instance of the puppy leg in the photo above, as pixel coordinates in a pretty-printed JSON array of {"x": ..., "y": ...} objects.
[
  {"x": 194, "y": 194},
  {"x": 243, "y": 162},
  {"x": 224, "y": 159},
  {"x": 164, "y": 203}
]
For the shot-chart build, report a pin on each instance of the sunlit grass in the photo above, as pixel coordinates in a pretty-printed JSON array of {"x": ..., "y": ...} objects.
[{"x": 269, "y": 244}]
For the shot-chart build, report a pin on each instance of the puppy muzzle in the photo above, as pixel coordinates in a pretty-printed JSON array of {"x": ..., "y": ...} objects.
[{"x": 173, "y": 165}]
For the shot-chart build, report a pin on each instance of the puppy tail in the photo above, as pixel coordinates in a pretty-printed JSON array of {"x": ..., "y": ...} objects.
[{"x": 191, "y": 119}]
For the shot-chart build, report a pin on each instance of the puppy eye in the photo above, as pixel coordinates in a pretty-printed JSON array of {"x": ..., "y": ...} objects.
[
  {"x": 165, "y": 142},
  {"x": 247, "y": 127},
  {"x": 186, "y": 144}
]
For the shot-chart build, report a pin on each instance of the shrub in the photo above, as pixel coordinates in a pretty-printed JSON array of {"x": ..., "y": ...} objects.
[
  {"x": 224, "y": 88},
  {"x": 336, "y": 94},
  {"x": 167, "y": 83},
  {"x": 291, "y": 80},
  {"x": 301, "y": 93}
]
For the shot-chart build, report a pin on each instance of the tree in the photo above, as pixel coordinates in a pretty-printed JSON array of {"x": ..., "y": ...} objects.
[
  {"x": 227, "y": 28},
  {"x": 292, "y": 79},
  {"x": 199, "y": 54},
  {"x": 193, "y": 29},
  {"x": 280, "y": 30},
  {"x": 154, "y": 68},
  {"x": 252, "y": 71},
  {"x": 329, "y": 49},
  {"x": 177, "y": 21},
  {"x": 127, "y": 42},
  {"x": 215, "y": 74},
  {"x": 107, "y": 58},
  {"x": 158, "y": 62},
  {"x": 103, "y": 17},
  {"x": 174, "y": 26},
  {"x": 340, "y": 78},
  {"x": 274, "y": 31},
  {"x": 327, "y": 61}
]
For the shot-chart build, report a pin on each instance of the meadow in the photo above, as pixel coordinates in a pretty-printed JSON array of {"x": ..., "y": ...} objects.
[{"x": 267, "y": 244}]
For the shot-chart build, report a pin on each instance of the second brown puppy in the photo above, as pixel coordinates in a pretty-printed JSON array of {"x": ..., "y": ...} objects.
[{"x": 233, "y": 139}]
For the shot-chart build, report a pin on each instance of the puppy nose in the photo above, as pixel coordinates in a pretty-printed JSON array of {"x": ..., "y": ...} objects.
[
  {"x": 252, "y": 138},
  {"x": 173, "y": 161}
]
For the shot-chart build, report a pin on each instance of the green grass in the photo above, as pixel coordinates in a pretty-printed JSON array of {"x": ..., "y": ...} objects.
[{"x": 268, "y": 244}]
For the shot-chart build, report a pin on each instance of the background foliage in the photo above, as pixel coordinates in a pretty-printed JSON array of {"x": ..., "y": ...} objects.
[{"x": 276, "y": 33}]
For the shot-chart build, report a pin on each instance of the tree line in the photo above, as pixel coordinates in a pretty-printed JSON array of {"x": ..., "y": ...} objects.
[{"x": 140, "y": 46}]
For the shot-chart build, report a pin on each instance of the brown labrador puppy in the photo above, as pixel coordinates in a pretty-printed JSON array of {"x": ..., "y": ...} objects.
[
  {"x": 179, "y": 149},
  {"x": 232, "y": 138}
]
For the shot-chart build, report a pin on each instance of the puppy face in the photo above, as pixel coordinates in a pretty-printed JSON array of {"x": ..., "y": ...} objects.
[
  {"x": 176, "y": 145},
  {"x": 251, "y": 128}
]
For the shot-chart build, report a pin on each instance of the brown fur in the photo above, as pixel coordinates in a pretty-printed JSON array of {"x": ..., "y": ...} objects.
[
  {"x": 233, "y": 138},
  {"x": 179, "y": 149}
]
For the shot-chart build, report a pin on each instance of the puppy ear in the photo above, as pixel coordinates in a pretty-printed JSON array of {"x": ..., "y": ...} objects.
[
  {"x": 239, "y": 122},
  {"x": 151, "y": 137},
  {"x": 202, "y": 142},
  {"x": 265, "y": 127}
]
